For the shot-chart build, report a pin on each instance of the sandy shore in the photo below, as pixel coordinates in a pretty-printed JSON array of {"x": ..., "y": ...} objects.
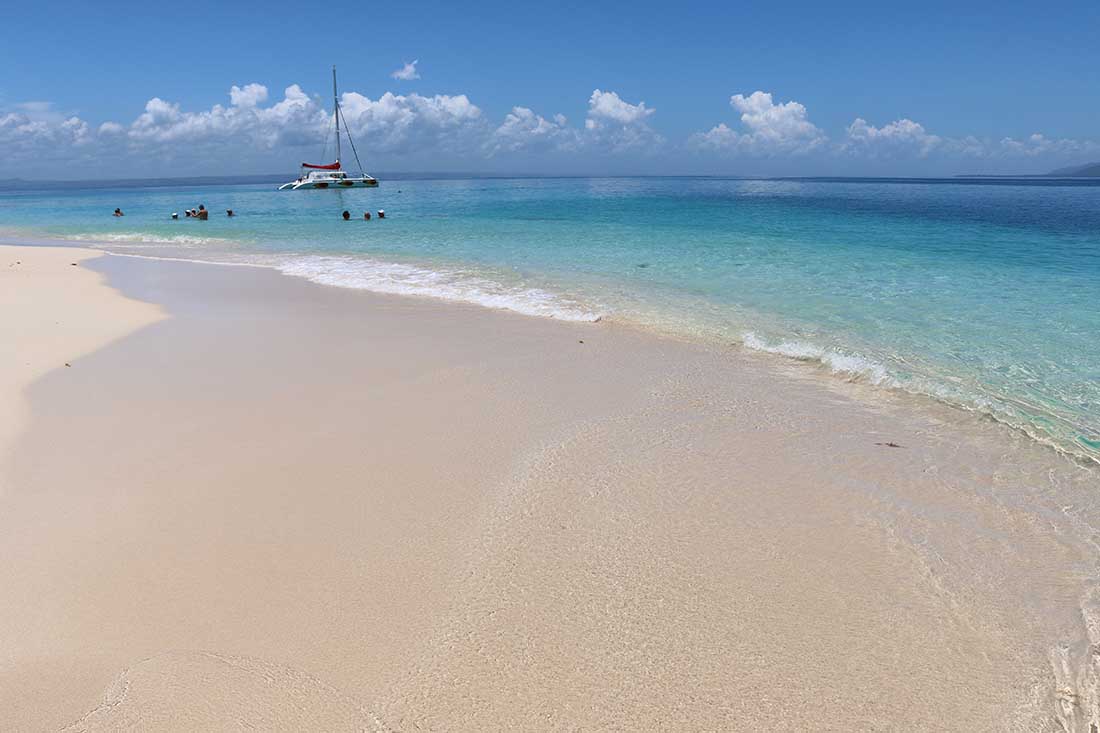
[
  {"x": 53, "y": 311},
  {"x": 293, "y": 507}
]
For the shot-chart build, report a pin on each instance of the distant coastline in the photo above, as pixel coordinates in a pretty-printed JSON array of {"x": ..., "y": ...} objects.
[
  {"x": 1053, "y": 178},
  {"x": 1089, "y": 170}
]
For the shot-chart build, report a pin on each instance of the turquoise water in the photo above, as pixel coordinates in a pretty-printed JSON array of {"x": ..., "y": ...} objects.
[{"x": 984, "y": 295}]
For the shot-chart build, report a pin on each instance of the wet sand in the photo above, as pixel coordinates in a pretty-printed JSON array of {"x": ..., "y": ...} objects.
[
  {"x": 289, "y": 506},
  {"x": 53, "y": 311}
]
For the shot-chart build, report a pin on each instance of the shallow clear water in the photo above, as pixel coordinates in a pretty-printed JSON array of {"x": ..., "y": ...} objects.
[{"x": 985, "y": 295}]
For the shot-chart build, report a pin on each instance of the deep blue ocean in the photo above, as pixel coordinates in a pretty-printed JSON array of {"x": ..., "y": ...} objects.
[{"x": 982, "y": 294}]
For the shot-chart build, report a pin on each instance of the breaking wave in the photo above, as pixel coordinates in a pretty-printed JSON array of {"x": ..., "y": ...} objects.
[
  {"x": 455, "y": 284},
  {"x": 145, "y": 240},
  {"x": 852, "y": 366}
]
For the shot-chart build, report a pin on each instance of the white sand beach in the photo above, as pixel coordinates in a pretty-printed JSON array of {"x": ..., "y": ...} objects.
[{"x": 256, "y": 502}]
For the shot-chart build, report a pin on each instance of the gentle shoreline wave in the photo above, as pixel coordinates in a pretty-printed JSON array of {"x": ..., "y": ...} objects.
[
  {"x": 456, "y": 285},
  {"x": 480, "y": 287},
  {"x": 177, "y": 240}
]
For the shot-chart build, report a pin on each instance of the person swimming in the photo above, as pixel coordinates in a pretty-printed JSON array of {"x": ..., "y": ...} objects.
[
  {"x": 202, "y": 213},
  {"x": 381, "y": 214},
  {"x": 229, "y": 212},
  {"x": 175, "y": 215},
  {"x": 346, "y": 215},
  {"x": 366, "y": 215},
  {"x": 118, "y": 212}
]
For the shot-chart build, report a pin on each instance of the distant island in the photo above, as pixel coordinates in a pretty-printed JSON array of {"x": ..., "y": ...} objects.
[{"x": 1089, "y": 170}]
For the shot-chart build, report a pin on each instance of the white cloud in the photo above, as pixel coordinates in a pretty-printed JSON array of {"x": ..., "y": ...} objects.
[
  {"x": 111, "y": 129},
  {"x": 251, "y": 95},
  {"x": 37, "y": 109},
  {"x": 522, "y": 129},
  {"x": 414, "y": 123},
  {"x": 1039, "y": 145},
  {"x": 76, "y": 130},
  {"x": 612, "y": 125},
  {"x": 24, "y": 138},
  {"x": 617, "y": 126},
  {"x": 905, "y": 137},
  {"x": 407, "y": 72},
  {"x": 898, "y": 137},
  {"x": 718, "y": 138},
  {"x": 251, "y": 132},
  {"x": 410, "y": 123},
  {"x": 294, "y": 120},
  {"x": 608, "y": 106},
  {"x": 770, "y": 129}
]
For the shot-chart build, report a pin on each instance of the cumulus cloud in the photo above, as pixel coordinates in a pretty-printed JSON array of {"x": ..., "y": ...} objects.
[
  {"x": 617, "y": 126},
  {"x": 111, "y": 129},
  {"x": 1040, "y": 145},
  {"x": 522, "y": 129},
  {"x": 612, "y": 125},
  {"x": 256, "y": 132},
  {"x": 250, "y": 95},
  {"x": 398, "y": 123},
  {"x": 900, "y": 136},
  {"x": 407, "y": 72},
  {"x": 294, "y": 120},
  {"x": 24, "y": 137},
  {"x": 609, "y": 106},
  {"x": 905, "y": 137},
  {"x": 770, "y": 129}
]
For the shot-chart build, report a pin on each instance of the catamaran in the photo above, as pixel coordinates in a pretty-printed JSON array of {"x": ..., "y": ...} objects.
[{"x": 332, "y": 175}]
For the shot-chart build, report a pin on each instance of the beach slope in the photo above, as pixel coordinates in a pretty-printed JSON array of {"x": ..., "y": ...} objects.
[{"x": 290, "y": 506}]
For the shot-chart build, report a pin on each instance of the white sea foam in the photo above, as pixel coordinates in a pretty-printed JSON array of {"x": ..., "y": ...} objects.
[
  {"x": 145, "y": 239},
  {"x": 452, "y": 284},
  {"x": 851, "y": 365}
]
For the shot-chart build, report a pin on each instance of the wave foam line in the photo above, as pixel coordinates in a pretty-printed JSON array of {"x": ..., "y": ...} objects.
[
  {"x": 998, "y": 408},
  {"x": 851, "y": 365},
  {"x": 448, "y": 284},
  {"x": 145, "y": 239}
]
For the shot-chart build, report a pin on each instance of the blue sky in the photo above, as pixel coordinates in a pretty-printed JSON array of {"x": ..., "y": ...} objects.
[{"x": 939, "y": 88}]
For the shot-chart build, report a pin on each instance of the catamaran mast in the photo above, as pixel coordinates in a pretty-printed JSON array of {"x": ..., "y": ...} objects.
[{"x": 336, "y": 112}]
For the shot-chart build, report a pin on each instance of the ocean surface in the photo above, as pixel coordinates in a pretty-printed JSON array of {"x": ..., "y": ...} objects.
[{"x": 981, "y": 294}]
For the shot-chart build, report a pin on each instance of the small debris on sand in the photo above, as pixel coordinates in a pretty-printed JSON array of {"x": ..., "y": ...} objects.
[
  {"x": 68, "y": 364},
  {"x": 890, "y": 444}
]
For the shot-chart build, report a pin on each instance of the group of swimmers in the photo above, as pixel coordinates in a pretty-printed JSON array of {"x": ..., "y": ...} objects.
[
  {"x": 202, "y": 214},
  {"x": 366, "y": 215},
  {"x": 199, "y": 213}
]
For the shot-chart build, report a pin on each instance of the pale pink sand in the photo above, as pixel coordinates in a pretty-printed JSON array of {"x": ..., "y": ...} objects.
[{"x": 296, "y": 507}]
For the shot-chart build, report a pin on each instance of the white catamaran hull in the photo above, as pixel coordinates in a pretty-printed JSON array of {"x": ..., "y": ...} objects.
[{"x": 330, "y": 183}]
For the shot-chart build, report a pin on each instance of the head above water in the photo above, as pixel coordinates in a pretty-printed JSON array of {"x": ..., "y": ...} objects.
[{"x": 346, "y": 215}]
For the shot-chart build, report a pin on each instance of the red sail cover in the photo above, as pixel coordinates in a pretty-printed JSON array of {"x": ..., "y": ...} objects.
[{"x": 330, "y": 167}]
